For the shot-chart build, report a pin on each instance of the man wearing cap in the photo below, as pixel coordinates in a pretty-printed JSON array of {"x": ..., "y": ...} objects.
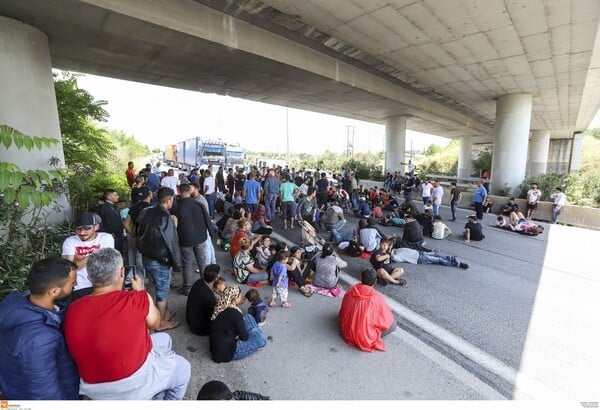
[{"x": 78, "y": 247}]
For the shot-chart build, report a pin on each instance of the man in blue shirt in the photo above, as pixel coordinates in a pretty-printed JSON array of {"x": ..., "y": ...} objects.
[
  {"x": 251, "y": 193},
  {"x": 478, "y": 198}
]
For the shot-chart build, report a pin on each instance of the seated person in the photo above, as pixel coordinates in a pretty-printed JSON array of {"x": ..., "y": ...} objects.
[
  {"x": 409, "y": 207},
  {"x": 201, "y": 301},
  {"x": 233, "y": 335},
  {"x": 370, "y": 236},
  {"x": 428, "y": 206},
  {"x": 243, "y": 231},
  {"x": 440, "y": 229},
  {"x": 426, "y": 221},
  {"x": 216, "y": 390},
  {"x": 364, "y": 315},
  {"x": 245, "y": 269},
  {"x": 260, "y": 222},
  {"x": 509, "y": 207},
  {"x": 412, "y": 236},
  {"x": 413, "y": 256},
  {"x": 377, "y": 211},
  {"x": 261, "y": 252},
  {"x": 327, "y": 267},
  {"x": 107, "y": 335},
  {"x": 381, "y": 262},
  {"x": 231, "y": 224},
  {"x": 363, "y": 210},
  {"x": 487, "y": 205},
  {"x": 473, "y": 230}
]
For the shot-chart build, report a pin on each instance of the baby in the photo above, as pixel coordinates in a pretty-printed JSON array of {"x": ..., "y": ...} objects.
[{"x": 219, "y": 286}]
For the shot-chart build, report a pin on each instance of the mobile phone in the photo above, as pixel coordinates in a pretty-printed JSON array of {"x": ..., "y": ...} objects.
[{"x": 129, "y": 274}]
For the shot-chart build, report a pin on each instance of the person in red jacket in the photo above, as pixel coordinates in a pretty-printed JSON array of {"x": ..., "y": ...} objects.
[{"x": 364, "y": 316}]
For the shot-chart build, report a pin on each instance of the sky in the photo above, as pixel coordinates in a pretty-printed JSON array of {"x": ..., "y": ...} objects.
[{"x": 158, "y": 116}]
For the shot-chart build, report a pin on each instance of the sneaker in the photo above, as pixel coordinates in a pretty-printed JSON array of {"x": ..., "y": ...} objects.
[
  {"x": 401, "y": 282},
  {"x": 463, "y": 265},
  {"x": 382, "y": 281},
  {"x": 184, "y": 290}
]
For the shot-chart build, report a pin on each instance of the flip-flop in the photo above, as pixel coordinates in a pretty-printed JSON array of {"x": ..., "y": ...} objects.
[
  {"x": 170, "y": 325},
  {"x": 171, "y": 315}
]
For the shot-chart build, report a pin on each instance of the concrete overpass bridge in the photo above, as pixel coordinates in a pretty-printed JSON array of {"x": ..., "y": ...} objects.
[{"x": 522, "y": 74}]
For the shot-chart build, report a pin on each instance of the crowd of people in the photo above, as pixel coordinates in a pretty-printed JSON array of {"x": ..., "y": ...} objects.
[{"x": 90, "y": 336}]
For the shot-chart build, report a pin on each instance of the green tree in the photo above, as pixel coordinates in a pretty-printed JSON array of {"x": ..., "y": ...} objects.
[
  {"x": 83, "y": 140},
  {"x": 594, "y": 132}
]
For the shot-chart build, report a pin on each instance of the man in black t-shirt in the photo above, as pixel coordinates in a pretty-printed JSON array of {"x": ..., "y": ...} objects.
[
  {"x": 201, "y": 302},
  {"x": 473, "y": 230},
  {"x": 322, "y": 187}
]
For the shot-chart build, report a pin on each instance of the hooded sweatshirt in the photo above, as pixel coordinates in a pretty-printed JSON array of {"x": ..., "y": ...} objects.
[
  {"x": 363, "y": 316},
  {"x": 34, "y": 361}
]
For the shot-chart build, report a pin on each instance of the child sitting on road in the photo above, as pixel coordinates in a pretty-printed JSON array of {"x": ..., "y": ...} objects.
[
  {"x": 440, "y": 229},
  {"x": 263, "y": 253},
  {"x": 279, "y": 278},
  {"x": 219, "y": 286},
  {"x": 258, "y": 309}
]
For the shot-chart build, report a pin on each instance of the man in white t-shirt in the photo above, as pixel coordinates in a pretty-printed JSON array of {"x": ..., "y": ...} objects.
[
  {"x": 170, "y": 180},
  {"x": 560, "y": 199},
  {"x": 426, "y": 188},
  {"x": 436, "y": 197},
  {"x": 534, "y": 195},
  {"x": 77, "y": 248},
  {"x": 210, "y": 192}
]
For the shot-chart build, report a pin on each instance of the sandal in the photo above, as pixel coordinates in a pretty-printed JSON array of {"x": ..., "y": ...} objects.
[
  {"x": 286, "y": 305},
  {"x": 171, "y": 315},
  {"x": 306, "y": 292},
  {"x": 272, "y": 303}
]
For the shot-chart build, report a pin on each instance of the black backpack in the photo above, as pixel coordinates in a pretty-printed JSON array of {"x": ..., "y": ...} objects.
[{"x": 353, "y": 249}]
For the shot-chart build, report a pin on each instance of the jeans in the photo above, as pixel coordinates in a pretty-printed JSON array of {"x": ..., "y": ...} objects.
[
  {"x": 270, "y": 202},
  {"x": 354, "y": 199},
  {"x": 337, "y": 237},
  {"x": 436, "y": 209},
  {"x": 181, "y": 374},
  {"x": 408, "y": 195},
  {"x": 555, "y": 213},
  {"x": 257, "y": 277},
  {"x": 162, "y": 278},
  {"x": 432, "y": 258},
  {"x": 119, "y": 243},
  {"x": 134, "y": 257},
  {"x": 479, "y": 209},
  {"x": 256, "y": 339},
  {"x": 453, "y": 207},
  {"x": 210, "y": 198},
  {"x": 337, "y": 226},
  {"x": 202, "y": 255},
  {"x": 426, "y": 199}
]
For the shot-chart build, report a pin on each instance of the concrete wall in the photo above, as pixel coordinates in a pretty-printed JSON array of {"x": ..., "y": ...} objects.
[{"x": 581, "y": 216}]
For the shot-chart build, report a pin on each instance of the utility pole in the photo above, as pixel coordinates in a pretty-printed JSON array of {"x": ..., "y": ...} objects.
[
  {"x": 287, "y": 134},
  {"x": 350, "y": 140}
]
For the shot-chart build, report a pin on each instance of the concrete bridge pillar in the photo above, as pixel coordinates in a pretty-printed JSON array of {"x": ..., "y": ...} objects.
[
  {"x": 27, "y": 98},
  {"x": 576, "y": 150},
  {"x": 511, "y": 135},
  {"x": 395, "y": 143},
  {"x": 464, "y": 156},
  {"x": 538, "y": 152}
]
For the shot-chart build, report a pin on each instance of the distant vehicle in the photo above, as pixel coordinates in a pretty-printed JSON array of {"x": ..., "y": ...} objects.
[
  {"x": 199, "y": 152},
  {"x": 234, "y": 155},
  {"x": 170, "y": 157}
]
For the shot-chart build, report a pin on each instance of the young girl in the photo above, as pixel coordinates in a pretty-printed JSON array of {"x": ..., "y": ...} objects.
[
  {"x": 263, "y": 254},
  {"x": 258, "y": 309},
  {"x": 280, "y": 280},
  {"x": 298, "y": 270}
]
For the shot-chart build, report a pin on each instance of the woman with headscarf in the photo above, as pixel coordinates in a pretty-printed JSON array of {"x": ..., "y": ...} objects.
[
  {"x": 260, "y": 221},
  {"x": 327, "y": 267},
  {"x": 233, "y": 335}
]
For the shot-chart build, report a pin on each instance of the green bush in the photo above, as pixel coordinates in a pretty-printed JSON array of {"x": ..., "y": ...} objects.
[{"x": 571, "y": 184}]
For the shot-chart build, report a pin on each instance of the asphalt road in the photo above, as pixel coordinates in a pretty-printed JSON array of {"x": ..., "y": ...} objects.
[{"x": 520, "y": 323}]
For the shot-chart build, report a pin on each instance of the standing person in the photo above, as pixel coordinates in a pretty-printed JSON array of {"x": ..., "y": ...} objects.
[
  {"x": 364, "y": 315},
  {"x": 170, "y": 180},
  {"x": 210, "y": 192},
  {"x": 77, "y": 248},
  {"x": 322, "y": 186},
  {"x": 408, "y": 186},
  {"x": 533, "y": 197},
  {"x": 152, "y": 179},
  {"x": 192, "y": 230},
  {"x": 271, "y": 189},
  {"x": 107, "y": 334},
  {"x": 288, "y": 202},
  {"x": 220, "y": 180},
  {"x": 479, "y": 197},
  {"x": 473, "y": 230},
  {"x": 559, "y": 201},
  {"x": 411, "y": 167},
  {"x": 437, "y": 194},
  {"x": 233, "y": 335},
  {"x": 156, "y": 168},
  {"x": 279, "y": 278},
  {"x": 252, "y": 193},
  {"x": 111, "y": 219},
  {"x": 426, "y": 189},
  {"x": 34, "y": 361},
  {"x": 130, "y": 174},
  {"x": 230, "y": 181},
  {"x": 201, "y": 301},
  {"x": 455, "y": 197},
  {"x": 158, "y": 243},
  {"x": 134, "y": 257},
  {"x": 307, "y": 208}
]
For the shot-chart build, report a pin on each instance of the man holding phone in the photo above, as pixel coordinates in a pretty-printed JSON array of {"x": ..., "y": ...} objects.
[{"x": 78, "y": 247}]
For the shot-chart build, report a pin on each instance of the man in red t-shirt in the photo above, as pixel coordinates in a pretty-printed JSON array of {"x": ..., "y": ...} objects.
[
  {"x": 107, "y": 336},
  {"x": 365, "y": 316},
  {"x": 130, "y": 174}
]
